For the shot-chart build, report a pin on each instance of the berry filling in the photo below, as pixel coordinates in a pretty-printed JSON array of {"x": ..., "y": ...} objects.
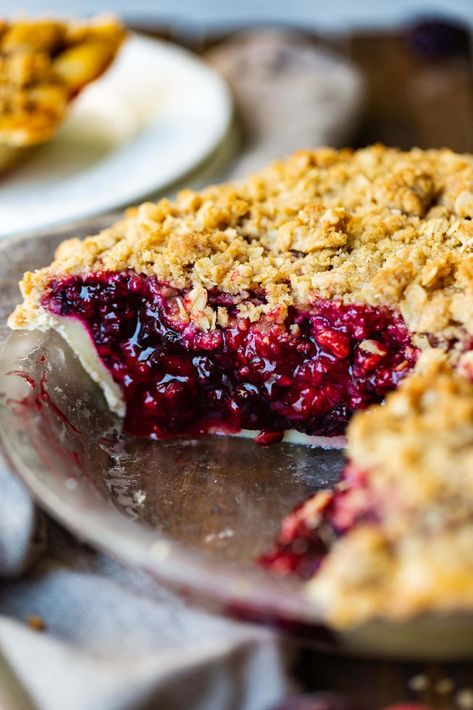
[
  {"x": 309, "y": 373},
  {"x": 309, "y": 531}
]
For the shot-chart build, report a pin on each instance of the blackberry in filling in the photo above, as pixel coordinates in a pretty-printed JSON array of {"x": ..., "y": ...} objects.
[
  {"x": 309, "y": 373},
  {"x": 309, "y": 531}
]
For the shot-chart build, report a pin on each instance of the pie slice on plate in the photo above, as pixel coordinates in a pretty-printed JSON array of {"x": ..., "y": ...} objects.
[
  {"x": 44, "y": 64},
  {"x": 276, "y": 306}
]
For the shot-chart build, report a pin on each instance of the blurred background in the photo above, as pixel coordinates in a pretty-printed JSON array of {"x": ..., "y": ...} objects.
[
  {"x": 204, "y": 14},
  {"x": 297, "y": 75}
]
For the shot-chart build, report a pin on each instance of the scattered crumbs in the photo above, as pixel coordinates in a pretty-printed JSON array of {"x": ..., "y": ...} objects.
[
  {"x": 418, "y": 683},
  {"x": 139, "y": 497},
  {"x": 222, "y": 535},
  {"x": 160, "y": 549},
  {"x": 35, "y": 622},
  {"x": 444, "y": 686},
  {"x": 464, "y": 699}
]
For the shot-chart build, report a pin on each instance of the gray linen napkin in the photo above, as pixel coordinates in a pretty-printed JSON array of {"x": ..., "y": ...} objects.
[
  {"x": 22, "y": 529},
  {"x": 114, "y": 639}
]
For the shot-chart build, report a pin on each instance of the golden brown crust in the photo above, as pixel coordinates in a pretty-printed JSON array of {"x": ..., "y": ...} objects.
[
  {"x": 377, "y": 226},
  {"x": 417, "y": 452},
  {"x": 43, "y": 65}
]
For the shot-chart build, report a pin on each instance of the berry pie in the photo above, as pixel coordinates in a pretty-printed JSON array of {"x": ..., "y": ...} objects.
[
  {"x": 330, "y": 283},
  {"x": 44, "y": 64}
]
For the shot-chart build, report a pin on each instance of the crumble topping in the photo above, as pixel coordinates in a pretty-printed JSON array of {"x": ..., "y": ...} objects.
[
  {"x": 43, "y": 65},
  {"x": 376, "y": 226},
  {"x": 417, "y": 454}
]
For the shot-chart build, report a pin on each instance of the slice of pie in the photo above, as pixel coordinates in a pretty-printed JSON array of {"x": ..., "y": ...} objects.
[
  {"x": 276, "y": 306},
  {"x": 44, "y": 64},
  {"x": 395, "y": 538}
]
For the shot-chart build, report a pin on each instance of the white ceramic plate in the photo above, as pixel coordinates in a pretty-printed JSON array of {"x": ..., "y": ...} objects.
[{"x": 152, "y": 118}]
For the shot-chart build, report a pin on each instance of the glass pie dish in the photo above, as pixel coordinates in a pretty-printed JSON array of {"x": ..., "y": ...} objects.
[{"x": 194, "y": 513}]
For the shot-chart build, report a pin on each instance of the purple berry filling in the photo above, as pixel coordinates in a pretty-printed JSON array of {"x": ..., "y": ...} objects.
[
  {"x": 308, "y": 532},
  {"x": 309, "y": 373}
]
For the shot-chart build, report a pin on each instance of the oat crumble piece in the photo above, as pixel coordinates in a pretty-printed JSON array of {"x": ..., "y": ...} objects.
[{"x": 35, "y": 622}]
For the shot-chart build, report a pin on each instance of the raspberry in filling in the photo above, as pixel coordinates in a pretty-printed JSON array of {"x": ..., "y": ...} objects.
[
  {"x": 309, "y": 373},
  {"x": 309, "y": 531}
]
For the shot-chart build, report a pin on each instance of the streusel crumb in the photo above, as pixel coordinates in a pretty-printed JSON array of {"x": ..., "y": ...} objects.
[{"x": 377, "y": 226}]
